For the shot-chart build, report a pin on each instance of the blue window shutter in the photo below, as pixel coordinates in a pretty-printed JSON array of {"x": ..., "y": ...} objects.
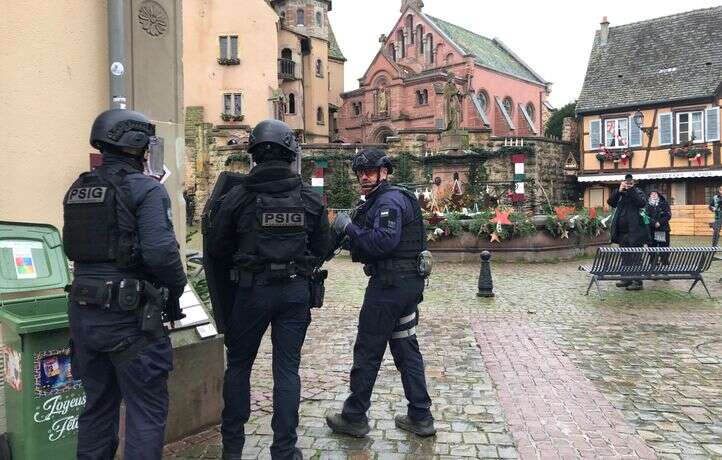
[
  {"x": 665, "y": 128},
  {"x": 712, "y": 126},
  {"x": 595, "y": 134},
  {"x": 635, "y": 134}
]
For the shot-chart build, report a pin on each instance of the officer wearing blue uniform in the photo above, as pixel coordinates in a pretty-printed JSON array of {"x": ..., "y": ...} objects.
[
  {"x": 128, "y": 278},
  {"x": 271, "y": 231},
  {"x": 387, "y": 235}
]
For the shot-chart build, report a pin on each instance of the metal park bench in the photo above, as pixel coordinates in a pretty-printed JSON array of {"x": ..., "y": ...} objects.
[{"x": 626, "y": 264}]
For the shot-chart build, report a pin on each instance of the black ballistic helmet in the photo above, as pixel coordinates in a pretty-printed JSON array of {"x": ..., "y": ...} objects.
[
  {"x": 273, "y": 140},
  {"x": 121, "y": 128},
  {"x": 372, "y": 159}
]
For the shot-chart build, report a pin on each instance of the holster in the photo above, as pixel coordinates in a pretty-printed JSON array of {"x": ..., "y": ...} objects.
[
  {"x": 151, "y": 312},
  {"x": 318, "y": 289}
]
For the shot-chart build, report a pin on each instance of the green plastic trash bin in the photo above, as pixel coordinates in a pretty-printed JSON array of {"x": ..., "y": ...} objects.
[{"x": 42, "y": 400}]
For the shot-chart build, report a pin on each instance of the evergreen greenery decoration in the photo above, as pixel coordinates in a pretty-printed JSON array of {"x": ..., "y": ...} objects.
[
  {"x": 555, "y": 124},
  {"x": 236, "y": 157},
  {"x": 341, "y": 194},
  {"x": 403, "y": 173}
]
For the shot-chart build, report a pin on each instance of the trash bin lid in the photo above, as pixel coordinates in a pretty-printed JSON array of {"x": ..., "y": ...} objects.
[{"x": 31, "y": 258}]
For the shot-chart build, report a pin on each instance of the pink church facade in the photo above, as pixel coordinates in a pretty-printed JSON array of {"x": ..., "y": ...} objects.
[{"x": 402, "y": 90}]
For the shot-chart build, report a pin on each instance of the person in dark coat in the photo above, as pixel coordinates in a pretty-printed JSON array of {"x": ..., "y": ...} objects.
[
  {"x": 629, "y": 229},
  {"x": 659, "y": 214}
]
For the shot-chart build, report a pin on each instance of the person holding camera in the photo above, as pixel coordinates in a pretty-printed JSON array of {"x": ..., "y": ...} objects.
[{"x": 630, "y": 226}]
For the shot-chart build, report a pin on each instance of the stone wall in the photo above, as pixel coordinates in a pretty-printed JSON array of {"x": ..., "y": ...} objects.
[{"x": 208, "y": 154}]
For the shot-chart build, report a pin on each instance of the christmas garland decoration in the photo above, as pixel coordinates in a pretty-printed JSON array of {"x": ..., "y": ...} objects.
[
  {"x": 616, "y": 156},
  {"x": 501, "y": 224},
  {"x": 585, "y": 222}
]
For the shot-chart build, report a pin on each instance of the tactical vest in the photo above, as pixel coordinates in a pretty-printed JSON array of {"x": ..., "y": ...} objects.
[
  {"x": 413, "y": 235},
  {"x": 92, "y": 229},
  {"x": 274, "y": 236}
]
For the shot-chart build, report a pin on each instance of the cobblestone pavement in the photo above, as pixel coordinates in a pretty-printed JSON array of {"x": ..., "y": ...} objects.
[{"x": 539, "y": 371}]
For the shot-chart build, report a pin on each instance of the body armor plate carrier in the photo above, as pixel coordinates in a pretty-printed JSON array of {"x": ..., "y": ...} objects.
[
  {"x": 275, "y": 241},
  {"x": 94, "y": 229},
  {"x": 413, "y": 235}
]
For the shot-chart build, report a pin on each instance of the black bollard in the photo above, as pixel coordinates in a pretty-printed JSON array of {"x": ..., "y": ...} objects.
[{"x": 486, "y": 285}]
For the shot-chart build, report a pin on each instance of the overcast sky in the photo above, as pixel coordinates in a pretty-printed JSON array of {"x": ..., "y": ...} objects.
[{"x": 553, "y": 37}]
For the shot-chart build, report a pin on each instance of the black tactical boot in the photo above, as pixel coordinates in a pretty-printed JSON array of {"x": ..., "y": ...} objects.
[
  {"x": 339, "y": 424},
  {"x": 635, "y": 286},
  {"x": 623, "y": 284},
  {"x": 422, "y": 428}
]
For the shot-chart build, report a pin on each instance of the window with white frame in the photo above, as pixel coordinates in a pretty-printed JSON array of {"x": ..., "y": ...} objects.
[
  {"x": 693, "y": 125},
  {"x": 233, "y": 103},
  {"x": 690, "y": 127},
  {"x": 616, "y": 133},
  {"x": 228, "y": 46}
]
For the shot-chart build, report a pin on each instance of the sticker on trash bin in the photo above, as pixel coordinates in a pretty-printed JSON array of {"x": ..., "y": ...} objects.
[
  {"x": 13, "y": 369},
  {"x": 53, "y": 373},
  {"x": 23, "y": 257}
]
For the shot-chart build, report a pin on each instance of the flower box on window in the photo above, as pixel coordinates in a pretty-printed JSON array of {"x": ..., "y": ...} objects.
[
  {"x": 232, "y": 117},
  {"x": 690, "y": 151},
  {"x": 617, "y": 155},
  {"x": 229, "y": 61}
]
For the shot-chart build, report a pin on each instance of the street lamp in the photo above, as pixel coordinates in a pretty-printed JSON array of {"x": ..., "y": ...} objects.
[{"x": 638, "y": 119}]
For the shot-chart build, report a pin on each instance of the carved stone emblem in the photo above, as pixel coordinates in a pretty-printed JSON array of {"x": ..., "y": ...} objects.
[{"x": 153, "y": 18}]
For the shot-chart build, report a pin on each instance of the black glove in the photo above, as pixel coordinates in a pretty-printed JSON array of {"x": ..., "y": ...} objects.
[
  {"x": 172, "y": 307},
  {"x": 340, "y": 223}
]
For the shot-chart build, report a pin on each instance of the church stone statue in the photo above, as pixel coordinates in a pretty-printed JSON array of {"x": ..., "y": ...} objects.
[
  {"x": 452, "y": 105},
  {"x": 383, "y": 101}
]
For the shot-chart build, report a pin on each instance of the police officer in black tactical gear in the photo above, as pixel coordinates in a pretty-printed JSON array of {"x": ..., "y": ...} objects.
[
  {"x": 271, "y": 230},
  {"x": 387, "y": 235},
  {"x": 128, "y": 276}
]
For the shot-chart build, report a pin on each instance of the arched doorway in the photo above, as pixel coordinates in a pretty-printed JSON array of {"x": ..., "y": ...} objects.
[{"x": 381, "y": 134}]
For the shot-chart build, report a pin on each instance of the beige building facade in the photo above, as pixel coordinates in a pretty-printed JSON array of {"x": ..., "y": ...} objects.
[
  {"x": 229, "y": 58},
  {"x": 58, "y": 85},
  {"x": 262, "y": 59},
  {"x": 62, "y": 85},
  {"x": 310, "y": 68}
]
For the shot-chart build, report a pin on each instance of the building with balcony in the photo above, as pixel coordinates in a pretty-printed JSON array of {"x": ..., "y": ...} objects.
[
  {"x": 248, "y": 61},
  {"x": 310, "y": 69}
]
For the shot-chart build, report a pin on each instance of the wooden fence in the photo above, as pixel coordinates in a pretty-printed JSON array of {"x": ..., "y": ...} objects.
[{"x": 691, "y": 220}]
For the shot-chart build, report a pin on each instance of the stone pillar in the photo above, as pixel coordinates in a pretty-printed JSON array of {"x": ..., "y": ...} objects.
[{"x": 570, "y": 130}]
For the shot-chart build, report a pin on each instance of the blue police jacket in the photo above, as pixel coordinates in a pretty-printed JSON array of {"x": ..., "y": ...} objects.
[{"x": 376, "y": 231}]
